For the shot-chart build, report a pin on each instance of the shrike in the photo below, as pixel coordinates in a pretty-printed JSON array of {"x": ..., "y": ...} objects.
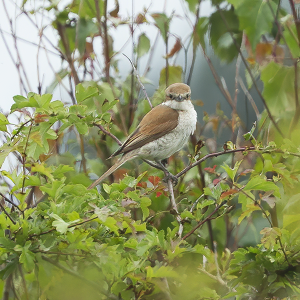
[{"x": 163, "y": 131}]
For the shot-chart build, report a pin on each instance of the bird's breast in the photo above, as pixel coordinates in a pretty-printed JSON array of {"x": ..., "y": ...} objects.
[{"x": 173, "y": 141}]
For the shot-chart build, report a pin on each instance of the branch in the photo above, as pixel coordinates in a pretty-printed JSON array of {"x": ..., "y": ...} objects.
[
  {"x": 7, "y": 214},
  {"x": 53, "y": 229},
  {"x": 105, "y": 44},
  {"x": 12, "y": 203},
  {"x": 194, "y": 48},
  {"x": 215, "y": 154},
  {"x": 205, "y": 220},
  {"x": 108, "y": 133},
  {"x": 249, "y": 71},
  {"x": 174, "y": 206},
  {"x": 139, "y": 80}
]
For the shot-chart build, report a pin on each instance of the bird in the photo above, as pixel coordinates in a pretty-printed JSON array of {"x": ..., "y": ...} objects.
[{"x": 163, "y": 131}]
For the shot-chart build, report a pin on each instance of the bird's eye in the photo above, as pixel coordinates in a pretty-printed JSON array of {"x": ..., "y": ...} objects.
[
  {"x": 187, "y": 95},
  {"x": 170, "y": 96}
]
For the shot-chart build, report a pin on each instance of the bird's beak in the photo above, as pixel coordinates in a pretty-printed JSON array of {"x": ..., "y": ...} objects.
[{"x": 179, "y": 98}]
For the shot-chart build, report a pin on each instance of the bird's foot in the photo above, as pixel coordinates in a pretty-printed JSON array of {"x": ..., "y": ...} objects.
[{"x": 173, "y": 178}]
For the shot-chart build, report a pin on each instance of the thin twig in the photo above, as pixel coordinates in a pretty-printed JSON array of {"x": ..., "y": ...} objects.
[
  {"x": 32, "y": 43},
  {"x": 194, "y": 48},
  {"x": 205, "y": 220},
  {"x": 108, "y": 133},
  {"x": 7, "y": 214},
  {"x": 7, "y": 287},
  {"x": 249, "y": 71},
  {"x": 174, "y": 206},
  {"x": 249, "y": 97},
  {"x": 53, "y": 229},
  {"x": 16, "y": 47},
  {"x": 105, "y": 44},
  {"x": 12, "y": 203},
  {"x": 139, "y": 80},
  {"x": 215, "y": 154}
]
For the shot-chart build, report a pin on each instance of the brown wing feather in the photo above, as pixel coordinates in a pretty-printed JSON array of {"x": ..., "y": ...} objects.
[{"x": 156, "y": 123}]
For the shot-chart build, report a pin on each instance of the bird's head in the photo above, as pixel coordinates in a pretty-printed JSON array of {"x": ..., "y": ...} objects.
[{"x": 178, "y": 92}]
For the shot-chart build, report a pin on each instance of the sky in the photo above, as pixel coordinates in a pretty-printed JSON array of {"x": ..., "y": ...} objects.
[{"x": 32, "y": 56}]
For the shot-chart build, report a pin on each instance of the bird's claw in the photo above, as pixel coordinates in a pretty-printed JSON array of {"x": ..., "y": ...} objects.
[{"x": 171, "y": 177}]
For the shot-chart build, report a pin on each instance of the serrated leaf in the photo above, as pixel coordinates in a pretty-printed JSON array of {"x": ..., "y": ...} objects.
[
  {"x": 248, "y": 211},
  {"x": 60, "y": 225},
  {"x": 187, "y": 214},
  {"x": 108, "y": 105},
  {"x": 255, "y": 18},
  {"x": 143, "y": 45},
  {"x": 232, "y": 172},
  {"x": 27, "y": 259},
  {"x": 85, "y": 93},
  {"x": 259, "y": 183},
  {"x": 144, "y": 203},
  {"x": 4, "y": 151},
  {"x": 81, "y": 127}
]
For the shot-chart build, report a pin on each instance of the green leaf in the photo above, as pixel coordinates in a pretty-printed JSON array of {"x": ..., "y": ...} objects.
[
  {"x": 4, "y": 151},
  {"x": 290, "y": 35},
  {"x": 200, "y": 32},
  {"x": 108, "y": 105},
  {"x": 106, "y": 92},
  {"x": 232, "y": 172},
  {"x": 187, "y": 214},
  {"x": 59, "y": 76},
  {"x": 60, "y": 225},
  {"x": 7, "y": 243},
  {"x": 27, "y": 259},
  {"x": 3, "y": 122},
  {"x": 255, "y": 18},
  {"x": 259, "y": 183},
  {"x": 220, "y": 37},
  {"x": 161, "y": 272},
  {"x": 193, "y": 5},
  {"x": 86, "y": 28},
  {"x": 83, "y": 93},
  {"x": 162, "y": 22},
  {"x": 278, "y": 87},
  {"x": 145, "y": 202},
  {"x": 42, "y": 169},
  {"x": 81, "y": 127},
  {"x": 8, "y": 269},
  {"x": 174, "y": 75},
  {"x": 143, "y": 45}
]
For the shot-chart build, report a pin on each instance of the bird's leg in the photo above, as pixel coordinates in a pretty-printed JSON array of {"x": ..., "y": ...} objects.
[
  {"x": 168, "y": 175},
  {"x": 159, "y": 165}
]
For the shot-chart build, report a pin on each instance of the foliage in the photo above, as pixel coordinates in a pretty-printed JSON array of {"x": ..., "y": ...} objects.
[{"x": 234, "y": 233}]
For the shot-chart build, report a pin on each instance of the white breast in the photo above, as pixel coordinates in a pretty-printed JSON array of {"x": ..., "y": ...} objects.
[{"x": 175, "y": 140}]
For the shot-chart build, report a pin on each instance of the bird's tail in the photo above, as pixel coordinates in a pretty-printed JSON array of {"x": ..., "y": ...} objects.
[{"x": 117, "y": 165}]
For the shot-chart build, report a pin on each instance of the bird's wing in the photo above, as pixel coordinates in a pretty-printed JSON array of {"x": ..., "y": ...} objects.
[{"x": 156, "y": 123}]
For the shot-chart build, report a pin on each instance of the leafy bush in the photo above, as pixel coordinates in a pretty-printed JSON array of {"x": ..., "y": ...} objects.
[{"x": 229, "y": 229}]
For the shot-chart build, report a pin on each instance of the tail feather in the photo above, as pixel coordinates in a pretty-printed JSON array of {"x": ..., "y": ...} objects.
[{"x": 116, "y": 166}]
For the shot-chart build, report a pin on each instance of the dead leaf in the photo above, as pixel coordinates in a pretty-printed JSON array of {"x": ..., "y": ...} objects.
[{"x": 177, "y": 46}]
